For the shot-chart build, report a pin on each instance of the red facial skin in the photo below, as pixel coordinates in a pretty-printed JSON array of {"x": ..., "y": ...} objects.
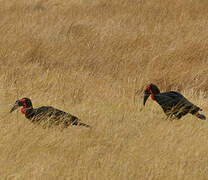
[
  {"x": 23, "y": 110},
  {"x": 152, "y": 95}
]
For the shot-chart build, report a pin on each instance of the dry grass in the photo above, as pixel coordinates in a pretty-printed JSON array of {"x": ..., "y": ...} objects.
[{"x": 88, "y": 58}]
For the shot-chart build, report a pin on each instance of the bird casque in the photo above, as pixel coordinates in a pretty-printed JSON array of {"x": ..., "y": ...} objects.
[
  {"x": 173, "y": 103},
  {"x": 46, "y": 113}
]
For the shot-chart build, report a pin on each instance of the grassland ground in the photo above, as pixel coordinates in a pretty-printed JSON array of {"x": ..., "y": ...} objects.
[{"x": 89, "y": 58}]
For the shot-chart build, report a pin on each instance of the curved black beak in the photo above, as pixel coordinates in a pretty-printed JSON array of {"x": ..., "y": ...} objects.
[
  {"x": 16, "y": 105},
  {"x": 146, "y": 95}
]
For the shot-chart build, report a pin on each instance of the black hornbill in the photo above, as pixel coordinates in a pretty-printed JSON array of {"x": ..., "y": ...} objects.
[
  {"x": 47, "y": 113},
  {"x": 172, "y": 103}
]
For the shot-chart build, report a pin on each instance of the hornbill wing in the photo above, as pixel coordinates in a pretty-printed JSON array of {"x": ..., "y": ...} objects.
[
  {"x": 169, "y": 100},
  {"x": 50, "y": 111},
  {"x": 174, "y": 95},
  {"x": 57, "y": 116},
  {"x": 172, "y": 99},
  {"x": 183, "y": 101},
  {"x": 44, "y": 110}
]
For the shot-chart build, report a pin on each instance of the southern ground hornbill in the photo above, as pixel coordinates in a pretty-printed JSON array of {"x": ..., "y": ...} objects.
[
  {"x": 46, "y": 114},
  {"x": 173, "y": 103}
]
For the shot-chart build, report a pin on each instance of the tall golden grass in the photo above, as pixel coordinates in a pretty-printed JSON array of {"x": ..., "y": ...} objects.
[{"x": 89, "y": 58}]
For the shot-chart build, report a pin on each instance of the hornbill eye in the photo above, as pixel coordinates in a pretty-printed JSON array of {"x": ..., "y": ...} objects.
[
  {"x": 16, "y": 105},
  {"x": 146, "y": 95}
]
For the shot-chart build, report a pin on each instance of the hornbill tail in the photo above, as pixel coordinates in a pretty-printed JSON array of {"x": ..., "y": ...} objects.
[
  {"x": 80, "y": 124},
  {"x": 200, "y": 116}
]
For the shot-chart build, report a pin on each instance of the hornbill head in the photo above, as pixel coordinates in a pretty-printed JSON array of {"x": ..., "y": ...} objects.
[
  {"x": 25, "y": 102},
  {"x": 150, "y": 90}
]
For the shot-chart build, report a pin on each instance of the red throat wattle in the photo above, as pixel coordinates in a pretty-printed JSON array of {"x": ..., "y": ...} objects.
[
  {"x": 23, "y": 110},
  {"x": 152, "y": 95}
]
